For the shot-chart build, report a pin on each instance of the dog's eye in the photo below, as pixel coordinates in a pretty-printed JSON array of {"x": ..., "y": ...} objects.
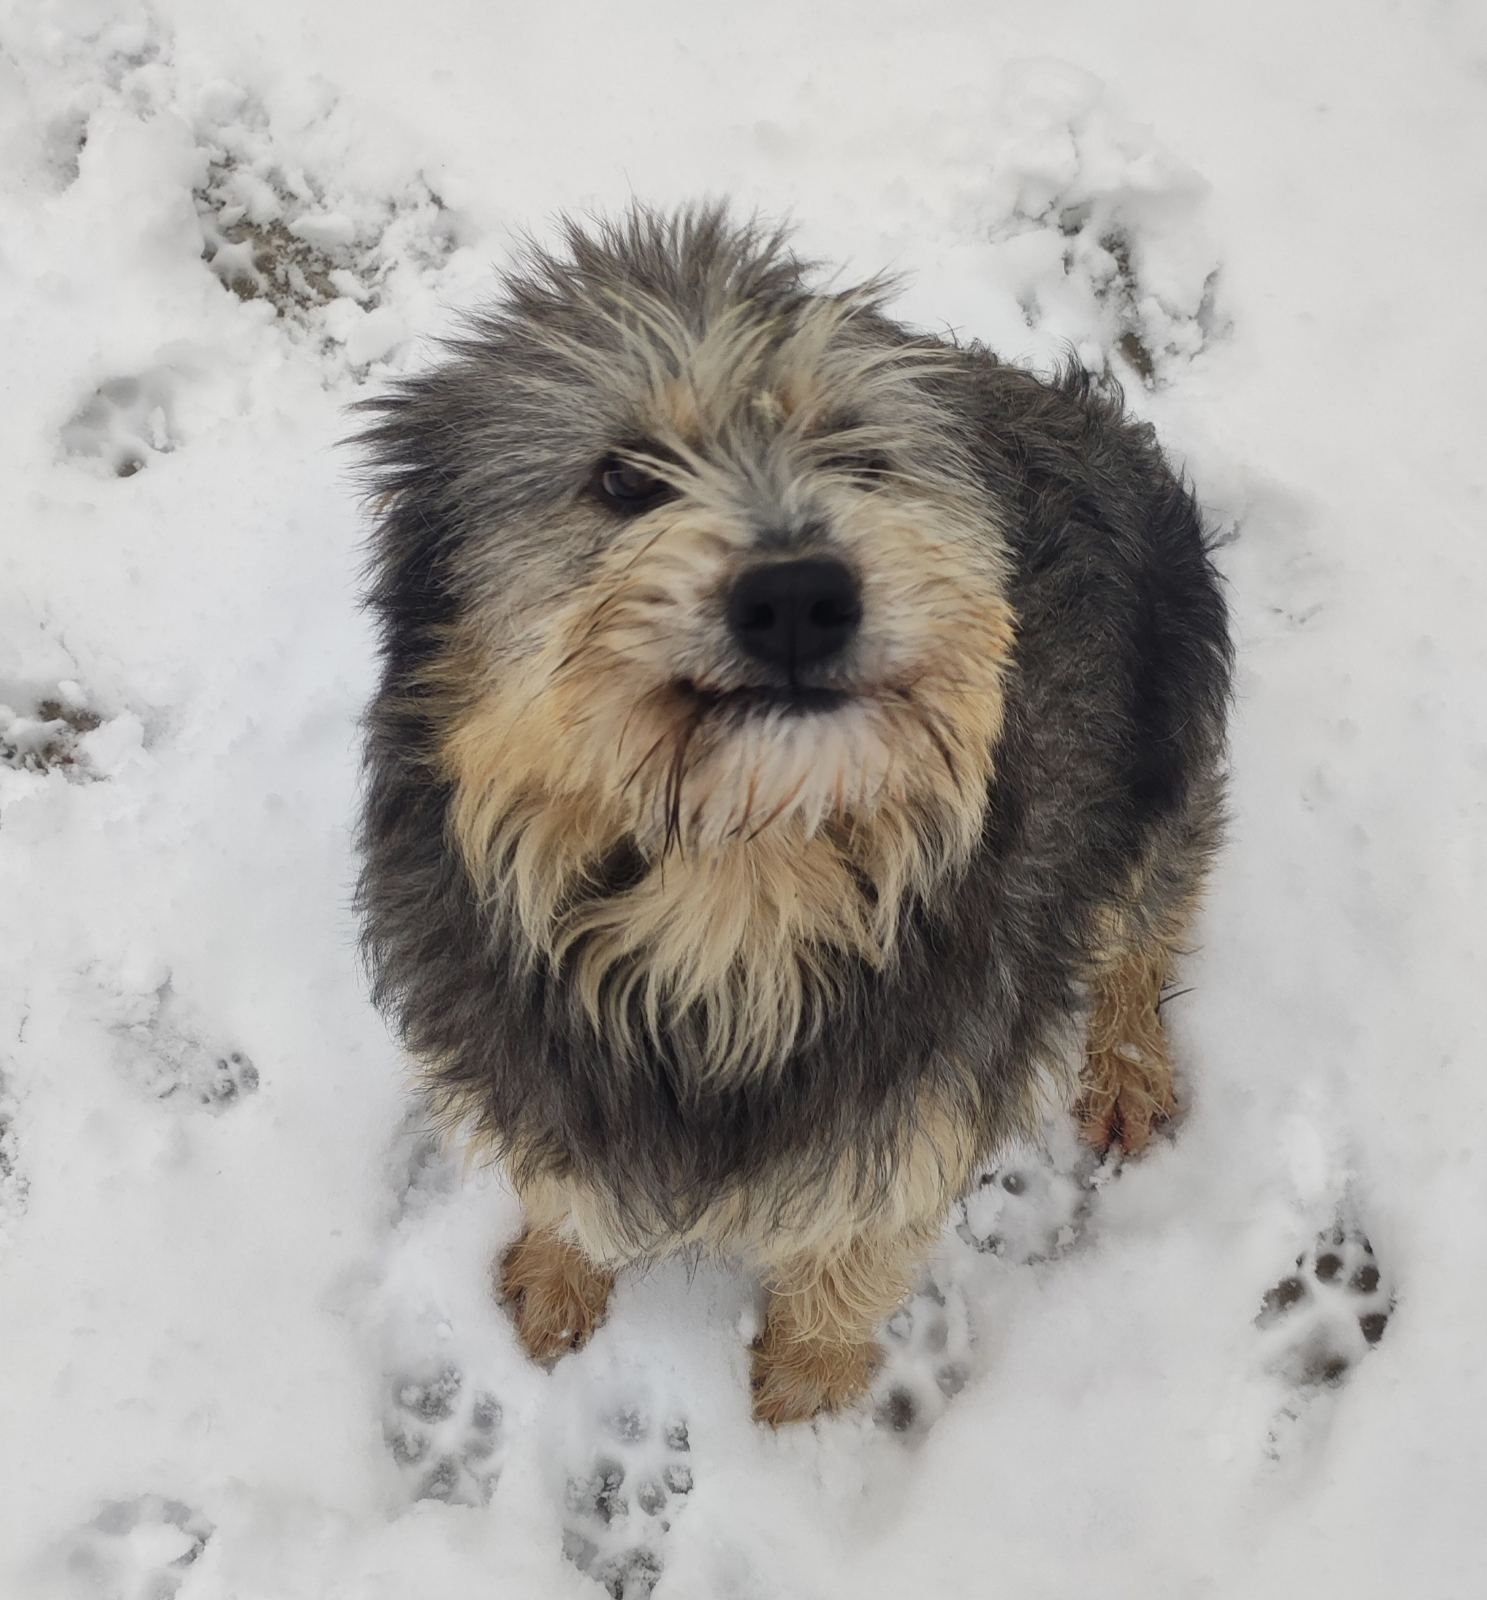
[
  {"x": 864, "y": 466},
  {"x": 628, "y": 488}
]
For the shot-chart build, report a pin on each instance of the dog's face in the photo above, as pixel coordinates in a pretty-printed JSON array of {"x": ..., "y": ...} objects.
[{"x": 729, "y": 591}]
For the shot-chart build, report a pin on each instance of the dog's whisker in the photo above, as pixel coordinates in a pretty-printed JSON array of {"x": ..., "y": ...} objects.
[
  {"x": 646, "y": 759},
  {"x": 783, "y": 806}
]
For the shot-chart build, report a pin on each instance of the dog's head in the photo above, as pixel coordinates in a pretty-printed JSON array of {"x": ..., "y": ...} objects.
[{"x": 727, "y": 600}]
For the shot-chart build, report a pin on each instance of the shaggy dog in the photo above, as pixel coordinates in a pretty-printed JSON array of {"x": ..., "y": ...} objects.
[{"x": 795, "y": 734}]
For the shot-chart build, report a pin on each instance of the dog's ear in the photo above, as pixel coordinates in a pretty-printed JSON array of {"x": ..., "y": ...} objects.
[
  {"x": 409, "y": 588},
  {"x": 413, "y": 528}
]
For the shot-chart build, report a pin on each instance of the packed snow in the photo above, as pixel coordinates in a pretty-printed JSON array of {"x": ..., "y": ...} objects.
[{"x": 248, "y": 1348}]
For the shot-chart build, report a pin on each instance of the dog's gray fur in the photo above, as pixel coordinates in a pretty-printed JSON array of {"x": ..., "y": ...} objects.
[{"x": 1106, "y": 790}]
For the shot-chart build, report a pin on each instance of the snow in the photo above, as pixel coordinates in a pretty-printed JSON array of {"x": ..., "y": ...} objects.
[{"x": 240, "y": 1291}]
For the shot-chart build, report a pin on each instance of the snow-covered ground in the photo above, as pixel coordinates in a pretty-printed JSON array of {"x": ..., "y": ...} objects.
[{"x": 247, "y": 1349}]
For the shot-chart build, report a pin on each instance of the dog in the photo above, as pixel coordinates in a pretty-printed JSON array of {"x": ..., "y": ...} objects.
[{"x": 798, "y": 739}]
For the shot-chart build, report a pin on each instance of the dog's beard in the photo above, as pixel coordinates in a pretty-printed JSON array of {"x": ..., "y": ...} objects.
[
  {"x": 771, "y": 828},
  {"x": 733, "y": 766},
  {"x": 770, "y": 842}
]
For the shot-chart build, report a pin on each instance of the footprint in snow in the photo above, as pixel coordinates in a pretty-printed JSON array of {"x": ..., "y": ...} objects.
[
  {"x": 1034, "y": 1203},
  {"x": 139, "y": 1549},
  {"x": 445, "y": 1435},
  {"x": 45, "y": 737},
  {"x": 170, "y": 1059},
  {"x": 12, "y": 1180},
  {"x": 126, "y": 423},
  {"x": 1327, "y": 1314},
  {"x": 926, "y": 1360},
  {"x": 621, "y": 1502}
]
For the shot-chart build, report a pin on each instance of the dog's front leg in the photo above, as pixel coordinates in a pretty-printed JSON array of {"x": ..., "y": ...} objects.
[
  {"x": 557, "y": 1294},
  {"x": 819, "y": 1349}
]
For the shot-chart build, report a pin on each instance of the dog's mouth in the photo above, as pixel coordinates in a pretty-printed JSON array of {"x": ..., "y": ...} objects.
[{"x": 801, "y": 700}]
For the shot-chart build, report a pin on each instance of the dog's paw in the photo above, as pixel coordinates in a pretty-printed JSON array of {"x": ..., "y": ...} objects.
[
  {"x": 139, "y": 1549},
  {"x": 795, "y": 1378},
  {"x": 620, "y": 1506},
  {"x": 926, "y": 1360},
  {"x": 1125, "y": 1098},
  {"x": 556, "y": 1294},
  {"x": 445, "y": 1436}
]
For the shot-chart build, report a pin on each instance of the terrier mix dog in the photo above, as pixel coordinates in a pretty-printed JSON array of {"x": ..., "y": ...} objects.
[{"x": 794, "y": 733}]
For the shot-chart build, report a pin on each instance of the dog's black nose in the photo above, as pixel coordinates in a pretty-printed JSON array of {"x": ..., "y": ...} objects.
[{"x": 795, "y": 613}]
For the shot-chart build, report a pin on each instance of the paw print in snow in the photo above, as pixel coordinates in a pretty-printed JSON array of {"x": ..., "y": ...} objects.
[
  {"x": 1324, "y": 1317},
  {"x": 170, "y": 1060},
  {"x": 45, "y": 738},
  {"x": 228, "y": 1077},
  {"x": 445, "y": 1440},
  {"x": 621, "y": 1507},
  {"x": 1098, "y": 229},
  {"x": 333, "y": 263},
  {"x": 126, "y": 423},
  {"x": 12, "y": 1181},
  {"x": 1030, "y": 1206},
  {"x": 926, "y": 1360},
  {"x": 423, "y": 1169},
  {"x": 140, "y": 1549}
]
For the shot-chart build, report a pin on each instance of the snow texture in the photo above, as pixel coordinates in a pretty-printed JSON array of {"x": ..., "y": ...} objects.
[{"x": 250, "y": 1347}]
